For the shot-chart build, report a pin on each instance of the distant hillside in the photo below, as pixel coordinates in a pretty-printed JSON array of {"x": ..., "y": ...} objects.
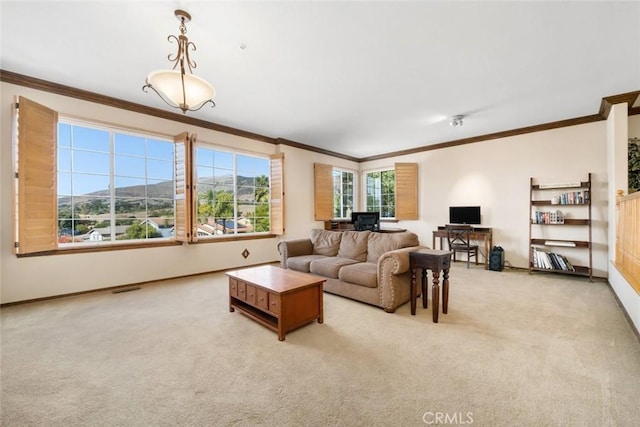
[{"x": 164, "y": 190}]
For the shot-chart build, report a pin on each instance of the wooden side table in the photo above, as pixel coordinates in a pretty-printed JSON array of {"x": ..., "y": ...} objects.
[{"x": 436, "y": 261}]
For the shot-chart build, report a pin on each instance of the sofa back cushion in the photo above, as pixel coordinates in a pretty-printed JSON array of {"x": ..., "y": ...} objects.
[
  {"x": 325, "y": 242},
  {"x": 380, "y": 243},
  {"x": 354, "y": 245}
]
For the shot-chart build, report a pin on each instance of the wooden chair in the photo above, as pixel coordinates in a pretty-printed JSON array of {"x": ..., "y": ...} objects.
[{"x": 459, "y": 241}]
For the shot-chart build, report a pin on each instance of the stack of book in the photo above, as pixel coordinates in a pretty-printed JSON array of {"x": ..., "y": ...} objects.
[
  {"x": 541, "y": 217},
  {"x": 551, "y": 261},
  {"x": 574, "y": 198}
]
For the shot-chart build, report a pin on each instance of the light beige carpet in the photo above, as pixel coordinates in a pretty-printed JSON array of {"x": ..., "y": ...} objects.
[{"x": 514, "y": 350}]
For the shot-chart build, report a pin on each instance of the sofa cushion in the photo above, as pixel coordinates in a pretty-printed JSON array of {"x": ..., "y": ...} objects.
[
  {"x": 363, "y": 274},
  {"x": 353, "y": 245},
  {"x": 301, "y": 263},
  {"x": 325, "y": 242},
  {"x": 330, "y": 266},
  {"x": 380, "y": 243}
]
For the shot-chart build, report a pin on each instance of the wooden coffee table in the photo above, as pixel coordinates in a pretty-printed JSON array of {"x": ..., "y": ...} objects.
[{"x": 282, "y": 300}]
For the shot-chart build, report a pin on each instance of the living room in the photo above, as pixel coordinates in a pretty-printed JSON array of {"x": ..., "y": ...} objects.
[
  {"x": 471, "y": 174},
  {"x": 493, "y": 173}
]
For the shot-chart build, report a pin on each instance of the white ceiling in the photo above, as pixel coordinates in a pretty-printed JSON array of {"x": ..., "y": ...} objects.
[{"x": 358, "y": 78}]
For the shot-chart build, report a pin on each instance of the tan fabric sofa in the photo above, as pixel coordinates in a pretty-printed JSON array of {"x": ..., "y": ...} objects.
[{"x": 362, "y": 265}]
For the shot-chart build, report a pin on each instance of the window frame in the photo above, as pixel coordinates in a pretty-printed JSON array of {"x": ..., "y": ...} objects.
[
  {"x": 354, "y": 188},
  {"x": 365, "y": 194},
  {"x": 234, "y": 171},
  {"x": 113, "y": 131},
  {"x": 22, "y": 203}
]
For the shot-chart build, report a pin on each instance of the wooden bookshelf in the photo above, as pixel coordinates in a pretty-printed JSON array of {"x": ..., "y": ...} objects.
[{"x": 546, "y": 203}]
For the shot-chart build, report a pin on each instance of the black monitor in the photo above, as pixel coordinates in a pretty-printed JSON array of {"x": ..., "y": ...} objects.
[
  {"x": 464, "y": 215},
  {"x": 366, "y": 221}
]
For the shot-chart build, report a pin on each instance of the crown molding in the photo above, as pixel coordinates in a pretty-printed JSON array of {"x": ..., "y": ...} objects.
[
  {"x": 610, "y": 101},
  {"x": 295, "y": 144},
  {"x": 47, "y": 86},
  {"x": 491, "y": 136},
  {"x": 58, "y": 89}
]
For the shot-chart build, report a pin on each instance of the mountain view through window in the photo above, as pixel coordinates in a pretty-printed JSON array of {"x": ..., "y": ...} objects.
[{"x": 116, "y": 186}]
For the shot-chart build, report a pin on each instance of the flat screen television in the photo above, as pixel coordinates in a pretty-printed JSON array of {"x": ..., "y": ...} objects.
[
  {"x": 464, "y": 215},
  {"x": 366, "y": 221}
]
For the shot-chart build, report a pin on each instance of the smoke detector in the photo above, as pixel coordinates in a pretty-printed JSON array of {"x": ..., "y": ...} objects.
[{"x": 456, "y": 121}]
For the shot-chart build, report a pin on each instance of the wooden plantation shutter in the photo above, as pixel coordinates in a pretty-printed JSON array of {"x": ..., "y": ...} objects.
[
  {"x": 183, "y": 188},
  {"x": 193, "y": 193},
  {"x": 406, "y": 190},
  {"x": 36, "y": 209},
  {"x": 276, "y": 208},
  {"x": 323, "y": 196}
]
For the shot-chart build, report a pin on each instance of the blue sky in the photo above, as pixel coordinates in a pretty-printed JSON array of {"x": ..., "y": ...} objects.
[{"x": 87, "y": 153}]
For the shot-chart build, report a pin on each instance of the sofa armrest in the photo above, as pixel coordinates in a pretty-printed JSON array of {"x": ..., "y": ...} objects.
[
  {"x": 394, "y": 277},
  {"x": 397, "y": 261},
  {"x": 292, "y": 248}
]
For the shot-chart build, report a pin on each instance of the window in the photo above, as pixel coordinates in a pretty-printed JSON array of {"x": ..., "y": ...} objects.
[
  {"x": 380, "y": 192},
  {"x": 393, "y": 192},
  {"x": 81, "y": 185},
  {"x": 232, "y": 192},
  {"x": 112, "y": 186},
  {"x": 333, "y": 192},
  {"x": 342, "y": 194}
]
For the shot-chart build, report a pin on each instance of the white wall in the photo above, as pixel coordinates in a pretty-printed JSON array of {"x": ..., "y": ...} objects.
[
  {"x": 42, "y": 276},
  {"x": 298, "y": 187},
  {"x": 496, "y": 175},
  {"x": 617, "y": 158},
  {"x": 619, "y": 129}
]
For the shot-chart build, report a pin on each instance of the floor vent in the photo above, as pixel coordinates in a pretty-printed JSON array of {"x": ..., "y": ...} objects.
[{"x": 119, "y": 291}]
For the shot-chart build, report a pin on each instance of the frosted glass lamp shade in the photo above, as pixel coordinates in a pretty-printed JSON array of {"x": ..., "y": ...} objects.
[{"x": 190, "y": 96}]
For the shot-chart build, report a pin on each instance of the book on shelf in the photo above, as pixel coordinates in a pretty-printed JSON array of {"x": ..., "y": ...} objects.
[
  {"x": 569, "y": 265},
  {"x": 560, "y": 260},
  {"x": 554, "y": 261},
  {"x": 550, "y": 261},
  {"x": 544, "y": 217},
  {"x": 574, "y": 198}
]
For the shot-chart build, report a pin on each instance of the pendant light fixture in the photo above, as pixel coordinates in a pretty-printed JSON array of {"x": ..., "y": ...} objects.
[{"x": 177, "y": 87}]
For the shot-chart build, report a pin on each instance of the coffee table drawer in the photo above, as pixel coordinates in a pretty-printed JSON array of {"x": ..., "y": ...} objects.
[
  {"x": 251, "y": 294},
  {"x": 263, "y": 299},
  {"x": 242, "y": 290},
  {"x": 233, "y": 287},
  {"x": 274, "y": 303}
]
